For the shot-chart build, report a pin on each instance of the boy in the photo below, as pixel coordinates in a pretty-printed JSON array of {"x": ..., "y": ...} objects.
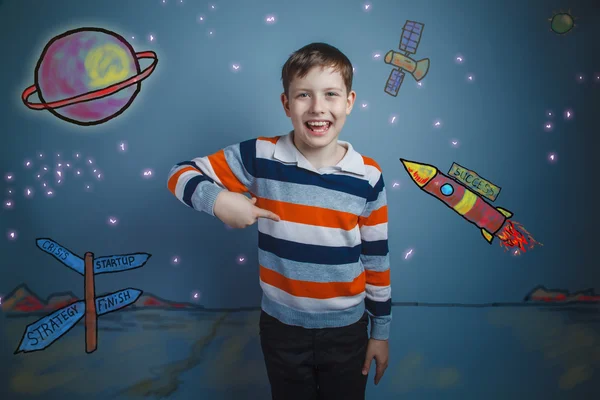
[{"x": 322, "y": 220}]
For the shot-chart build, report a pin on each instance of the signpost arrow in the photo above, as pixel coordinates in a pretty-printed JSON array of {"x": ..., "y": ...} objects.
[
  {"x": 62, "y": 254},
  {"x": 120, "y": 263},
  {"x": 117, "y": 300},
  {"x": 47, "y": 330}
]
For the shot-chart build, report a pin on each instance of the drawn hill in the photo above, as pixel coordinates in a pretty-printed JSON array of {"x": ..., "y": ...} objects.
[
  {"x": 23, "y": 300},
  {"x": 542, "y": 294}
]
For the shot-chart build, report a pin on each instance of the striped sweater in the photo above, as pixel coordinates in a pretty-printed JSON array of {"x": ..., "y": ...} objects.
[{"x": 327, "y": 259}]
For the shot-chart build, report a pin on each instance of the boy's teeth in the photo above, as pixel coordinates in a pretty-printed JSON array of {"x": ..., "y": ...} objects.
[{"x": 318, "y": 123}]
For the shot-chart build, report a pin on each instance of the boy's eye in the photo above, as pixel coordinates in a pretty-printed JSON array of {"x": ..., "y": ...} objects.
[{"x": 328, "y": 94}]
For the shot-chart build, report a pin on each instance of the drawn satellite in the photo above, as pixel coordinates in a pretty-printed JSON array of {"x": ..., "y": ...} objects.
[{"x": 409, "y": 41}]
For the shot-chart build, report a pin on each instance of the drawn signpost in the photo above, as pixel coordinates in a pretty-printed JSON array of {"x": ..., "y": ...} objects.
[{"x": 45, "y": 331}]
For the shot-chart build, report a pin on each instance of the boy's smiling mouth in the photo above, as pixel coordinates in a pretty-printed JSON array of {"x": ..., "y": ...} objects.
[{"x": 319, "y": 127}]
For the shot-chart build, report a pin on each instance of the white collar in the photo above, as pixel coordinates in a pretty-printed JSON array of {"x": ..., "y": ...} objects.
[{"x": 286, "y": 151}]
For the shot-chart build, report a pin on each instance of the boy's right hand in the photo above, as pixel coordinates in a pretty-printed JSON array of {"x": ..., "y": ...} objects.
[{"x": 238, "y": 211}]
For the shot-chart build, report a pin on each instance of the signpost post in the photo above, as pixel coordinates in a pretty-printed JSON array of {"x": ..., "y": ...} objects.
[
  {"x": 42, "y": 333},
  {"x": 91, "y": 329}
]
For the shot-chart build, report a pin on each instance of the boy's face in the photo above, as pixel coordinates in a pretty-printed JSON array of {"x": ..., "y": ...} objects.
[{"x": 318, "y": 105}]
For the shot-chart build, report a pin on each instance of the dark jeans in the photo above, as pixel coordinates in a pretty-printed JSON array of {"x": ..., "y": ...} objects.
[{"x": 314, "y": 364}]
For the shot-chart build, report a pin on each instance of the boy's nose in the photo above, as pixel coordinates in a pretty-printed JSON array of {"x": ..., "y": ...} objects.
[{"x": 317, "y": 106}]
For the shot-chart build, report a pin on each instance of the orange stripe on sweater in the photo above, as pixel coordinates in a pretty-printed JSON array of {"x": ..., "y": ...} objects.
[
  {"x": 269, "y": 139},
  {"x": 224, "y": 173},
  {"x": 376, "y": 217},
  {"x": 309, "y": 215},
  {"x": 175, "y": 177},
  {"x": 371, "y": 162},
  {"x": 314, "y": 290},
  {"x": 378, "y": 278}
]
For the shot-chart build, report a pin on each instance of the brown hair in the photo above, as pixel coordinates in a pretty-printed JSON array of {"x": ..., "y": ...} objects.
[{"x": 313, "y": 55}]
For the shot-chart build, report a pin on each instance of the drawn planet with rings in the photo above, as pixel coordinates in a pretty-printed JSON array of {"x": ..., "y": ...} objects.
[{"x": 88, "y": 76}]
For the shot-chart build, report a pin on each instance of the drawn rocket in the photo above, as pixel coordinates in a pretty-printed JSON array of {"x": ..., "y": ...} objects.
[{"x": 492, "y": 221}]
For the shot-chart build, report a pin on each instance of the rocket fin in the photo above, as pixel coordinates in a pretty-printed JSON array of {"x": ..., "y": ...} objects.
[
  {"x": 488, "y": 236},
  {"x": 506, "y": 213}
]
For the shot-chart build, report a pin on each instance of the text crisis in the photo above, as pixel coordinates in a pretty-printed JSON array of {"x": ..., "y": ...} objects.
[{"x": 58, "y": 251}]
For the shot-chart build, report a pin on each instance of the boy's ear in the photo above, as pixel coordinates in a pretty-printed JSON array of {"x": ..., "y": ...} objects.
[
  {"x": 286, "y": 104},
  {"x": 350, "y": 104}
]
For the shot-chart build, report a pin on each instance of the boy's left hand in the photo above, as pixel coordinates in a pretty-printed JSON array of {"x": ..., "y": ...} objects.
[{"x": 379, "y": 350}]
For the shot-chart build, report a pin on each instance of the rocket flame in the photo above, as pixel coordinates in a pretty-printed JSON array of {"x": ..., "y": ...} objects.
[{"x": 511, "y": 236}]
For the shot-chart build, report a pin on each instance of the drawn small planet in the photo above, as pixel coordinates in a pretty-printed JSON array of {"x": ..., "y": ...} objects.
[
  {"x": 562, "y": 23},
  {"x": 88, "y": 76}
]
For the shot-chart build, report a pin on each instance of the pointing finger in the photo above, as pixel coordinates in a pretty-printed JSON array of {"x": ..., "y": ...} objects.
[{"x": 261, "y": 213}]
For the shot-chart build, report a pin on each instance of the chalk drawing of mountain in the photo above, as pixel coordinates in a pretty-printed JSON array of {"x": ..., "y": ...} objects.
[
  {"x": 23, "y": 300},
  {"x": 542, "y": 294},
  {"x": 60, "y": 300},
  {"x": 148, "y": 300}
]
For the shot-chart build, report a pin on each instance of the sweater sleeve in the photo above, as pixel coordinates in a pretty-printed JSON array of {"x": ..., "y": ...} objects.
[
  {"x": 375, "y": 259},
  {"x": 196, "y": 183}
]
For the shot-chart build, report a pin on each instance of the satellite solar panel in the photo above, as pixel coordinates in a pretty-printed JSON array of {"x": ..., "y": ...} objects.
[
  {"x": 411, "y": 34},
  {"x": 413, "y": 26},
  {"x": 394, "y": 82},
  {"x": 404, "y": 45}
]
